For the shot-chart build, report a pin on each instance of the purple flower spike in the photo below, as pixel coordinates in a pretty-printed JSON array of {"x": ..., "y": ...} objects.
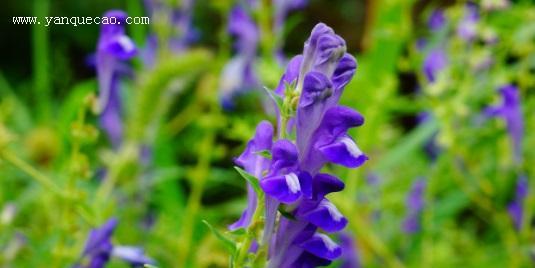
[
  {"x": 239, "y": 74},
  {"x": 98, "y": 247},
  {"x": 435, "y": 62},
  {"x": 318, "y": 78},
  {"x": 114, "y": 47},
  {"x": 415, "y": 205},
  {"x": 243, "y": 27},
  {"x": 322, "y": 246},
  {"x": 437, "y": 20},
  {"x": 467, "y": 28},
  {"x": 255, "y": 164},
  {"x": 511, "y": 111},
  {"x": 516, "y": 208}
]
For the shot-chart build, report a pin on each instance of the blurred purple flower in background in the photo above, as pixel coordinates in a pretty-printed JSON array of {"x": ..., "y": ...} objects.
[
  {"x": 415, "y": 205},
  {"x": 435, "y": 61},
  {"x": 114, "y": 47},
  {"x": 282, "y": 8},
  {"x": 350, "y": 255},
  {"x": 239, "y": 75},
  {"x": 293, "y": 180},
  {"x": 510, "y": 110},
  {"x": 99, "y": 249},
  {"x": 437, "y": 20},
  {"x": 467, "y": 28},
  {"x": 516, "y": 208},
  {"x": 183, "y": 33}
]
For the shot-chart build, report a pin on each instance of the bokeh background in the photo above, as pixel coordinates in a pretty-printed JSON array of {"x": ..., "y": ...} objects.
[{"x": 437, "y": 158}]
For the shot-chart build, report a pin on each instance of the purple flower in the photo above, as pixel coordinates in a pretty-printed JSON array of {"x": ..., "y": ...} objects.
[
  {"x": 437, "y": 20},
  {"x": 435, "y": 61},
  {"x": 183, "y": 32},
  {"x": 467, "y": 28},
  {"x": 350, "y": 256},
  {"x": 516, "y": 208},
  {"x": 135, "y": 256},
  {"x": 293, "y": 181},
  {"x": 282, "y": 8},
  {"x": 98, "y": 247},
  {"x": 510, "y": 110},
  {"x": 415, "y": 206},
  {"x": 114, "y": 47},
  {"x": 238, "y": 75},
  {"x": 255, "y": 164}
]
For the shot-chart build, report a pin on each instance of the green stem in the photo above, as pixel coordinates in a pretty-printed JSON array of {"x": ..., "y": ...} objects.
[
  {"x": 10, "y": 157},
  {"x": 41, "y": 68},
  {"x": 251, "y": 234},
  {"x": 194, "y": 200}
]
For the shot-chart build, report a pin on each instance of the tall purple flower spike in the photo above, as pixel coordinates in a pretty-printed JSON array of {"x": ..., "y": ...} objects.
[
  {"x": 435, "y": 61},
  {"x": 114, "y": 47},
  {"x": 510, "y": 110},
  {"x": 516, "y": 207},
  {"x": 467, "y": 28},
  {"x": 293, "y": 181},
  {"x": 239, "y": 75},
  {"x": 255, "y": 164},
  {"x": 415, "y": 206}
]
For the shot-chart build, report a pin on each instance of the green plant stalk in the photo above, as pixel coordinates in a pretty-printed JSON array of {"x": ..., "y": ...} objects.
[
  {"x": 48, "y": 183},
  {"x": 41, "y": 78},
  {"x": 251, "y": 235},
  {"x": 194, "y": 201}
]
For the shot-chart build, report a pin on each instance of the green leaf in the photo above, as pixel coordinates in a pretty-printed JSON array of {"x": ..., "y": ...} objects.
[
  {"x": 276, "y": 98},
  {"x": 229, "y": 244},
  {"x": 149, "y": 266},
  {"x": 251, "y": 179},
  {"x": 264, "y": 153}
]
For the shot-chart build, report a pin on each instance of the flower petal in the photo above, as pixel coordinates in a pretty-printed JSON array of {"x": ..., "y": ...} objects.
[
  {"x": 326, "y": 216},
  {"x": 324, "y": 184},
  {"x": 288, "y": 188},
  {"x": 344, "y": 152},
  {"x": 322, "y": 246}
]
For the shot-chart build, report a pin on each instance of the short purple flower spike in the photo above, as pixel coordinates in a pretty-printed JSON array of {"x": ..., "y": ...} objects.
[
  {"x": 239, "y": 75},
  {"x": 415, "y": 206},
  {"x": 434, "y": 63},
  {"x": 437, "y": 20},
  {"x": 510, "y": 110},
  {"x": 467, "y": 28},
  {"x": 98, "y": 247},
  {"x": 516, "y": 207},
  {"x": 114, "y": 47}
]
